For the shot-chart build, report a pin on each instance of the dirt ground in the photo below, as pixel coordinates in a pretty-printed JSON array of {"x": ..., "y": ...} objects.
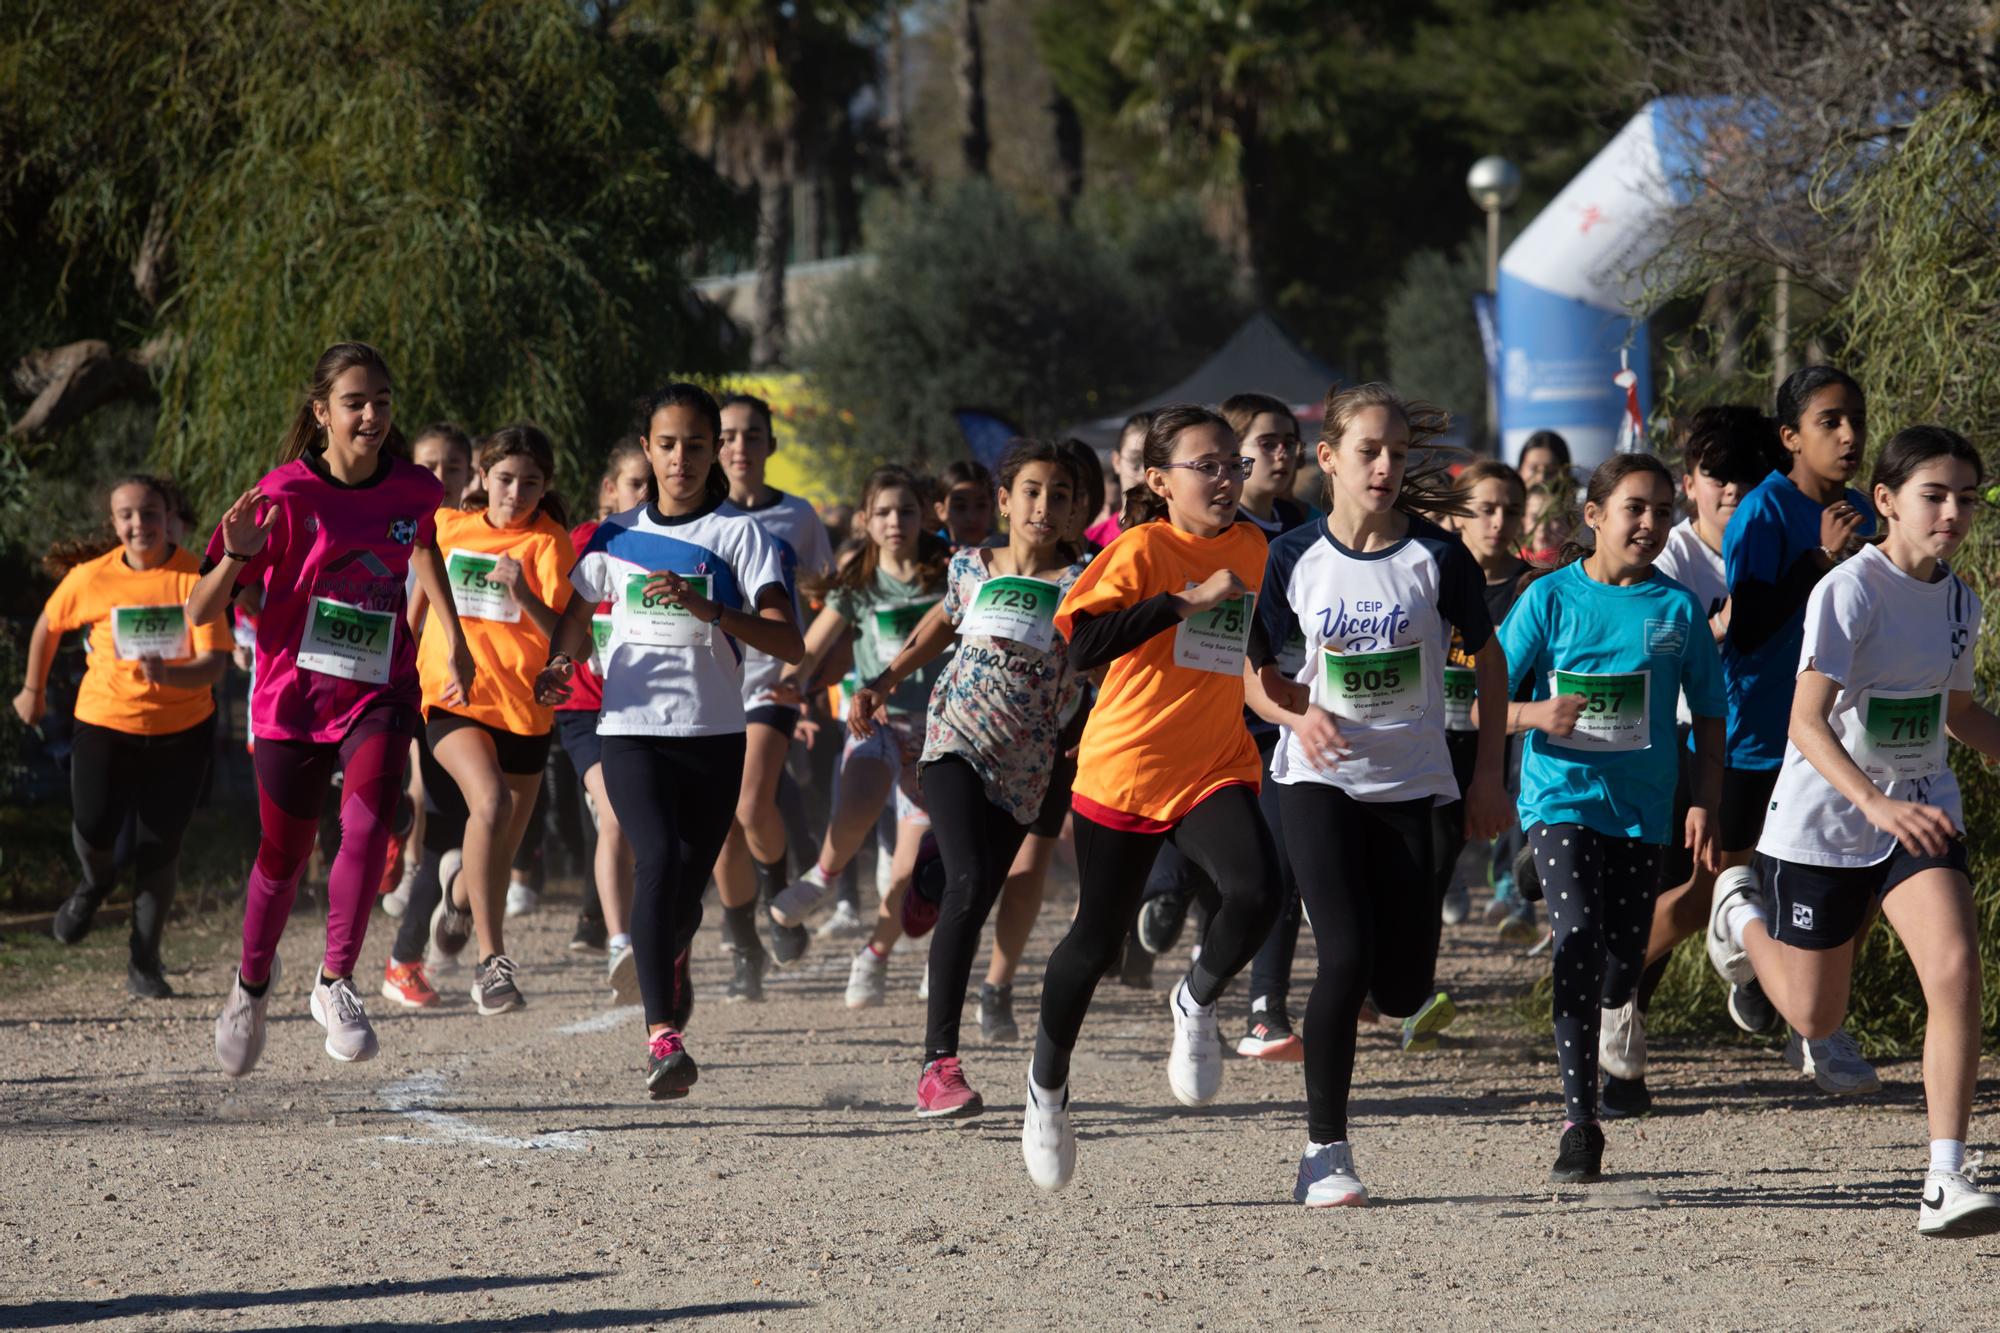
[{"x": 504, "y": 1174}]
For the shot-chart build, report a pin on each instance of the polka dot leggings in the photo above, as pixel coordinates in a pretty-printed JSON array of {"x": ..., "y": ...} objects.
[{"x": 1599, "y": 891}]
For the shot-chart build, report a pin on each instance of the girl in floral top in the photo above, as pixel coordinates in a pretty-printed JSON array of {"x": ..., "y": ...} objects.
[{"x": 990, "y": 738}]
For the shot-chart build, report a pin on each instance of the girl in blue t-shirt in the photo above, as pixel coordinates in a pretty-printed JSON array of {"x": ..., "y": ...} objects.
[{"x": 1607, "y": 644}]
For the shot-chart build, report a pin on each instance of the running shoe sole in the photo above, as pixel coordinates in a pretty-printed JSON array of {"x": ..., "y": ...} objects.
[
  {"x": 1352, "y": 1199},
  {"x": 506, "y": 1006},
  {"x": 672, "y": 1082},
  {"x": 1433, "y": 1018},
  {"x": 1976, "y": 1222},
  {"x": 965, "y": 1111},
  {"x": 1750, "y": 1009},
  {"x": 390, "y": 991},
  {"x": 1288, "y": 1048},
  {"x": 624, "y": 978},
  {"x": 366, "y": 1053}
]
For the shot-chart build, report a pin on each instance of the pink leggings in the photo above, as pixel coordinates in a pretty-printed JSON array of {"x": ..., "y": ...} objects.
[{"x": 292, "y": 778}]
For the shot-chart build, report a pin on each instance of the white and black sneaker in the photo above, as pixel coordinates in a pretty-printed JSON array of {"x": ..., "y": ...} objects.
[
  {"x": 1048, "y": 1142},
  {"x": 1954, "y": 1205},
  {"x": 493, "y": 988},
  {"x": 1327, "y": 1178}
]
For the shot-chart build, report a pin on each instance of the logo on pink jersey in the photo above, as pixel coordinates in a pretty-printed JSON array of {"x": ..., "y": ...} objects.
[{"x": 403, "y": 531}]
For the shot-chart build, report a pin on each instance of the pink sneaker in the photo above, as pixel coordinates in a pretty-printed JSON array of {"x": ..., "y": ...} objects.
[
  {"x": 942, "y": 1091},
  {"x": 670, "y": 1070}
]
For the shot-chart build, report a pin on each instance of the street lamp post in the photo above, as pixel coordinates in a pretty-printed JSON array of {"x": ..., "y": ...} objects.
[{"x": 1494, "y": 184}]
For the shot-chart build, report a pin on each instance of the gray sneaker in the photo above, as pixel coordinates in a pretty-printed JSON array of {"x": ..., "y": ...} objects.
[
  {"x": 867, "y": 981},
  {"x": 239, "y": 1029},
  {"x": 621, "y": 970},
  {"x": 493, "y": 988},
  {"x": 336, "y": 1006},
  {"x": 451, "y": 926}
]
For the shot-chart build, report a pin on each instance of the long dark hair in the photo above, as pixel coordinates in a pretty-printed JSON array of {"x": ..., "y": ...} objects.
[
  {"x": 1429, "y": 489},
  {"x": 306, "y": 433},
  {"x": 680, "y": 393},
  {"x": 1163, "y": 432},
  {"x": 521, "y": 440},
  {"x": 933, "y": 554},
  {"x": 1089, "y": 473}
]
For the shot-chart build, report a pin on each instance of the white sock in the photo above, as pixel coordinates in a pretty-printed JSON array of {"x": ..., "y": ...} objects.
[
  {"x": 818, "y": 876},
  {"x": 1743, "y": 908},
  {"x": 1315, "y": 1149},
  {"x": 1260, "y": 1004},
  {"x": 1048, "y": 1099},
  {"x": 620, "y": 941},
  {"x": 1184, "y": 1002},
  {"x": 1947, "y": 1154}
]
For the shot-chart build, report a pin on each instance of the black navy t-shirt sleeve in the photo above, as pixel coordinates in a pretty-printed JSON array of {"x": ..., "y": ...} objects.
[
  {"x": 1461, "y": 587},
  {"x": 1277, "y": 621}
]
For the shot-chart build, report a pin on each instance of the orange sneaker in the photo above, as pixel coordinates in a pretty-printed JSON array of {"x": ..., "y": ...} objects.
[{"x": 406, "y": 984}]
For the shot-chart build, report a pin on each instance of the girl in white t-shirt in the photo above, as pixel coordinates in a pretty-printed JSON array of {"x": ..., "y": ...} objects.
[{"x": 1866, "y": 807}]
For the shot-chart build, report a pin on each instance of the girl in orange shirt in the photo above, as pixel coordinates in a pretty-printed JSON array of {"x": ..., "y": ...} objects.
[
  {"x": 1167, "y": 611},
  {"x": 145, "y": 715},
  {"x": 507, "y": 557}
]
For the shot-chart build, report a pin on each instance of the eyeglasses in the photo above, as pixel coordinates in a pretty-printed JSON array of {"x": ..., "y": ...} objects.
[
  {"x": 1273, "y": 444},
  {"x": 1219, "y": 469}
]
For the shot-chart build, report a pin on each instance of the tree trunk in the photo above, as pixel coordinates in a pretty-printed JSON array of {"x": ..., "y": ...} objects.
[
  {"x": 895, "y": 92},
  {"x": 1254, "y": 168},
  {"x": 974, "y": 140},
  {"x": 70, "y": 382},
  {"x": 774, "y": 243},
  {"x": 1069, "y": 153},
  {"x": 814, "y": 204}
]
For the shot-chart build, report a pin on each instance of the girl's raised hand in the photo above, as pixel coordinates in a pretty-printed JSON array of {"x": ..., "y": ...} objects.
[
  {"x": 553, "y": 685},
  {"x": 243, "y": 531},
  {"x": 1211, "y": 592},
  {"x": 1559, "y": 714},
  {"x": 667, "y": 586},
  {"x": 506, "y": 573}
]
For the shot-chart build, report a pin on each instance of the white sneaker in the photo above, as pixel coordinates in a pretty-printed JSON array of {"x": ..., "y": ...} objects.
[
  {"x": 621, "y": 970},
  {"x": 867, "y": 981},
  {"x": 792, "y": 904},
  {"x": 1194, "y": 1068},
  {"x": 397, "y": 900},
  {"x": 1621, "y": 1041},
  {"x": 1725, "y": 947},
  {"x": 1457, "y": 904},
  {"x": 845, "y": 923},
  {"x": 337, "y": 1007},
  {"x": 1327, "y": 1177},
  {"x": 1954, "y": 1205},
  {"x": 1048, "y": 1143},
  {"x": 924, "y": 986},
  {"x": 239, "y": 1028},
  {"x": 522, "y": 899},
  {"x": 1835, "y": 1064}
]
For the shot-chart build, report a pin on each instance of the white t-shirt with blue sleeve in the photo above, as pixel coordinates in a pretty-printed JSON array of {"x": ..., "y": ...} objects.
[
  {"x": 668, "y": 675},
  {"x": 1631, "y": 650}
]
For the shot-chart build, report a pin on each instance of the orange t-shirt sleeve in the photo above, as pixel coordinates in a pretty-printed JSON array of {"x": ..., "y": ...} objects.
[
  {"x": 552, "y": 567},
  {"x": 64, "y": 607},
  {"x": 1120, "y": 577}
]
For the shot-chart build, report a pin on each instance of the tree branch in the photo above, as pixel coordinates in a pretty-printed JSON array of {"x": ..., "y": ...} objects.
[{"x": 69, "y": 382}]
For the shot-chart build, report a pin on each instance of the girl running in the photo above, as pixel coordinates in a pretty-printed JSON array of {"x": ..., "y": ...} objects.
[
  {"x": 1376, "y": 593},
  {"x": 1865, "y": 813},
  {"x": 882, "y": 594},
  {"x": 994, "y": 718},
  {"x": 1608, "y": 645},
  {"x": 328, "y": 537},
  {"x": 1726, "y": 452},
  {"x": 1495, "y": 499},
  {"x": 692, "y": 582},
  {"x": 506, "y": 554},
  {"x": 1167, "y": 612},
  {"x": 752, "y": 866},
  {"x": 1027, "y": 879},
  {"x": 144, "y": 718},
  {"x": 1787, "y": 535},
  {"x": 627, "y": 483}
]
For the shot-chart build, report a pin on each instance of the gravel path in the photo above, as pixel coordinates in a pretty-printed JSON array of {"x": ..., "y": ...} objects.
[{"x": 493, "y": 1175}]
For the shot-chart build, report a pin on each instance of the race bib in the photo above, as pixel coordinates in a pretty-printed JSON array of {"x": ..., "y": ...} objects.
[
  {"x": 1216, "y": 639},
  {"x": 1902, "y": 734},
  {"x": 658, "y": 623},
  {"x": 843, "y": 693},
  {"x": 475, "y": 595},
  {"x": 600, "y": 643},
  {"x": 1615, "y": 715},
  {"x": 150, "y": 631},
  {"x": 891, "y": 626},
  {"x": 1461, "y": 687},
  {"x": 1016, "y": 608},
  {"x": 1378, "y": 688},
  {"x": 348, "y": 641},
  {"x": 1292, "y": 657}
]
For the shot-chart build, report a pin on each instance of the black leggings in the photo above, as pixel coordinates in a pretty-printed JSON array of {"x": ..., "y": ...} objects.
[
  {"x": 1366, "y": 870},
  {"x": 675, "y": 797},
  {"x": 1224, "y": 835},
  {"x": 151, "y": 783},
  {"x": 1599, "y": 890},
  {"x": 977, "y": 840}
]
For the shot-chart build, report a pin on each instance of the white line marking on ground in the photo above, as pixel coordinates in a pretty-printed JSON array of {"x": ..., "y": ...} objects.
[
  {"x": 604, "y": 1022},
  {"x": 410, "y": 1097}
]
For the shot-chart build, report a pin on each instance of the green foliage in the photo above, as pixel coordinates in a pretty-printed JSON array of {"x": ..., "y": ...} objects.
[
  {"x": 491, "y": 193},
  {"x": 1432, "y": 337},
  {"x": 973, "y": 302}
]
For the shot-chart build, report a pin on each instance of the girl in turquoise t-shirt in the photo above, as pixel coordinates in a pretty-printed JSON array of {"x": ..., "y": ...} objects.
[{"x": 1607, "y": 644}]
